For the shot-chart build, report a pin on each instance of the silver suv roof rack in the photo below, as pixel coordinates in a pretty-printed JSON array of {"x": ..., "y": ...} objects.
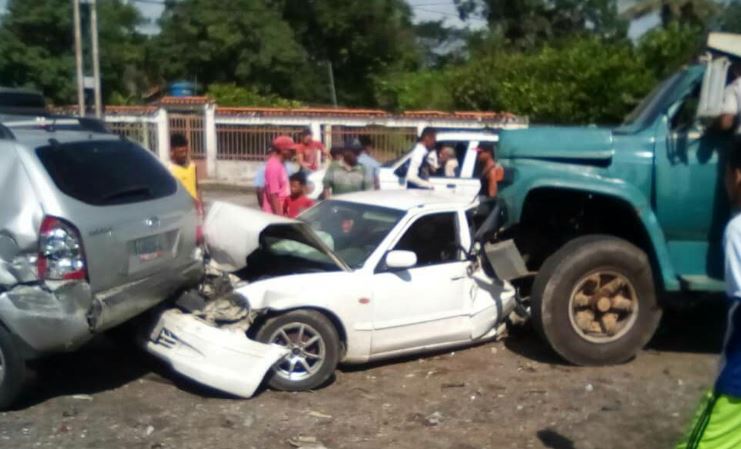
[{"x": 54, "y": 123}]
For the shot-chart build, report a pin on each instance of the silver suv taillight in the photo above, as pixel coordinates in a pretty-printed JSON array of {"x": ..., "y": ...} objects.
[{"x": 61, "y": 255}]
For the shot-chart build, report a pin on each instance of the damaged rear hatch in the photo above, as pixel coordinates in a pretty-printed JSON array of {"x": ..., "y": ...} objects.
[{"x": 138, "y": 228}]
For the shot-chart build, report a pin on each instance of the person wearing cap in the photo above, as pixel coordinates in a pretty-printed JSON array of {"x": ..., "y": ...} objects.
[
  {"x": 276, "y": 188},
  {"x": 366, "y": 159},
  {"x": 309, "y": 152},
  {"x": 259, "y": 180},
  {"x": 418, "y": 172},
  {"x": 347, "y": 175},
  {"x": 491, "y": 172}
]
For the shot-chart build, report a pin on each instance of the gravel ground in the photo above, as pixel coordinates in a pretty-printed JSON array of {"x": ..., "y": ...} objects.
[{"x": 509, "y": 394}]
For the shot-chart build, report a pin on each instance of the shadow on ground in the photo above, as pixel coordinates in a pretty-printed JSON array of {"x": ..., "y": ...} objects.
[
  {"x": 99, "y": 366},
  {"x": 691, "y": 326},
  {"x": 552, "y": 439},
  {"x": 696, "y": 325},
  {"x": 688, "y": 325}
]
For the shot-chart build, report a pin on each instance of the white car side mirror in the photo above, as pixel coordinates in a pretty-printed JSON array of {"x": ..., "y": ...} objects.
[{"x": 401, "y": 259}]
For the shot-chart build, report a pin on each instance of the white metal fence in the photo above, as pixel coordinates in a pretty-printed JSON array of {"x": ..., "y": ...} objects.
[{"x": 227, "y": 143}]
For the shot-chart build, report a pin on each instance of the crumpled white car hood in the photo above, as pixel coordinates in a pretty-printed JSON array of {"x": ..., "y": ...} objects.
[{"x": 233, "y": 232}]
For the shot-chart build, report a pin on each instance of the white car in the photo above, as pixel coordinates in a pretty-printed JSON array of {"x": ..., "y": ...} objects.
[
  {"x": 361, "y": 277},
  {"x": 465, "y": 184}
]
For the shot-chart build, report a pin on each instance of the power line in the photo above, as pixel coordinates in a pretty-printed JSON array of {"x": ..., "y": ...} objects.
[
  {"x": 150, "y": 2},
  {"x": 441, "y": 13}
]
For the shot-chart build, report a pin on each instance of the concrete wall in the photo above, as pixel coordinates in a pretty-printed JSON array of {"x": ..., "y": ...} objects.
[{"x": 236, "y": 172}]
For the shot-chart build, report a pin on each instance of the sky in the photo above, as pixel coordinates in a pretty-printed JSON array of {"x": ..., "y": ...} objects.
[{"x": 424, "y": 10}]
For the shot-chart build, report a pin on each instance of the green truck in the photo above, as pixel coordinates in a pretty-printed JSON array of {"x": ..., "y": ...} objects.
[{"x": 608, "y": 220}]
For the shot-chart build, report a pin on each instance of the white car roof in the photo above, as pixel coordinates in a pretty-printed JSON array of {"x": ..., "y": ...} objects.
[
  {"x": 407, "y": 199},
  {"x": 485, "y": 136}
]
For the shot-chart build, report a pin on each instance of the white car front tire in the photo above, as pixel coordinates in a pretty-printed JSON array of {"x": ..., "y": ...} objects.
[{"x": 314, "y": 345}]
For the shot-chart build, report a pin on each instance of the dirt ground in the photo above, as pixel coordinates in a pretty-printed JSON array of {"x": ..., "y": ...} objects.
[{"x": 509, "y": 394}]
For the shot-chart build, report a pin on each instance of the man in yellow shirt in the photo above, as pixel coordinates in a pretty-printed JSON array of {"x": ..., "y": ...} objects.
[{"x": 181, "y": 167}]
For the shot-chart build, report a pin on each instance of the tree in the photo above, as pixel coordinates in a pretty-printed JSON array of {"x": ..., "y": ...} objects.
[
  {"x": 426, "y": 89},
  {"x": 37, "y": 48},
  {"x": 694, "y": 12},
  {"x": 441, "y": 45},
  {"x": 362, "y": 39},
  {"x": 584, "y": 80},
  {"x": 531, "y": 23},
  {"x": 232, "y": 95},
  {"x": 730, "y": 18},
  {"x": 665, "y": 49},
  {"x": 246, "y": 42}
]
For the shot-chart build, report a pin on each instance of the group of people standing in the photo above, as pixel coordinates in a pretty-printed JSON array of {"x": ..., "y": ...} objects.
[
  {"x": 281, "y": 184},
  {"x": 426, "y": 162}
]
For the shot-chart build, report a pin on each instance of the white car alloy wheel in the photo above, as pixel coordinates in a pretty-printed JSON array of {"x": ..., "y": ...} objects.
[
  {"x": 314, "y": 344},
  {"x": 308, "y": 351}
]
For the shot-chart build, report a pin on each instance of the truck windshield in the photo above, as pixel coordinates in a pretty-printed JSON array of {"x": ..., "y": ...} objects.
[{"x": 645, "y": 113}]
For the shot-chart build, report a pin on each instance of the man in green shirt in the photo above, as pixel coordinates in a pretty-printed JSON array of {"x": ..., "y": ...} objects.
[{"x": 347, "y": 175}]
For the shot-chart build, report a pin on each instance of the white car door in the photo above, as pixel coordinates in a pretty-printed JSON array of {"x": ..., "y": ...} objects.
[
  {"x": 423, "y": 305},
  {"x": 466, "y": 182},
  {"x": 463, "y": 183}
]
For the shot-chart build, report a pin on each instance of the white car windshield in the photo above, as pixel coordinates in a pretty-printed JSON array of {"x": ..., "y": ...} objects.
[{"x": 352, "y": 230}]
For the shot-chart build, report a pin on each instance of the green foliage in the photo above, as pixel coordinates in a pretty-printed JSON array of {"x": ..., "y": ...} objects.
[
  {"x": 429, "y": 89},
  {"x": 664, "y": 50},
  {"x": 581, "y": 81},
  {"x": 688, "y": 12},
  {"x": 241, "y": 41},
  {"x": 532, "y": 23},
  {"x": 361, "y": 38},
  {"x": 232, "y": 95},
  {"x": 36, "y": 48},
  {"x": 283, "y": 47},
  {"x": 441, "y": 45},
  {"x": 730, "y": 20}
]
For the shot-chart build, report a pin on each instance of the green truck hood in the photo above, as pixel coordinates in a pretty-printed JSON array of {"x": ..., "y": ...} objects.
[{"x": 556, "y": 142}]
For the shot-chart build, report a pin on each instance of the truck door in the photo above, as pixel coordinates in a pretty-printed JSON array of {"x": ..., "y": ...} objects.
[{"x": 689, "y": 196}]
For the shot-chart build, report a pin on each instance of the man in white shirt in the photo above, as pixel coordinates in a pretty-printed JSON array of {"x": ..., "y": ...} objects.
[
  {"x": 732, "y": 100},
  {"x": 418, "y": 171}
]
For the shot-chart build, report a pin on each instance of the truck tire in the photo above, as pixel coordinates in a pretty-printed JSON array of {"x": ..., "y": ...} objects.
[
  {"x": 314, "y": 345},
  {"x": 12, "y": 370},
  {"x": 594, "y": 301}
]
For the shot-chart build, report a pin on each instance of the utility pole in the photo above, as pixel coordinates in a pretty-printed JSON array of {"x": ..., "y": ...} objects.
[
  {"x": 78, "y": 58},
  {"x": 332, "y": 91},
  {"x": 92, "y": 4}
]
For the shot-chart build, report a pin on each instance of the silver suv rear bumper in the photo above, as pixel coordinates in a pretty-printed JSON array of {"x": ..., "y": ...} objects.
[{"x": 53, "y": 318}]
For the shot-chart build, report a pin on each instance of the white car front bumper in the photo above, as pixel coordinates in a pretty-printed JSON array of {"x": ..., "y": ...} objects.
[{"x": 221, "y": 358}]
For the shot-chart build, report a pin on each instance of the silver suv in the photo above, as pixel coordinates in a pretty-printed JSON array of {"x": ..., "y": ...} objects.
[{"x": 93, "y": 231}]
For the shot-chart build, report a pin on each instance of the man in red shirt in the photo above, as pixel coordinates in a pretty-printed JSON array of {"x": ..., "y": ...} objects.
[
  {"x": 297, "y": 202},
  {"x": 309, "y": 152},
  {"x": 276, "y": 188}
]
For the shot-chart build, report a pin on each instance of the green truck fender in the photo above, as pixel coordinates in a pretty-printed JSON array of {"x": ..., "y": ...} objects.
[{"x": 592, "y": 182}]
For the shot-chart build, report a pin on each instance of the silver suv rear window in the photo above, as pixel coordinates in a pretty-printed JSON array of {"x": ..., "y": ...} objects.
[{"x": 104, "y": 173}]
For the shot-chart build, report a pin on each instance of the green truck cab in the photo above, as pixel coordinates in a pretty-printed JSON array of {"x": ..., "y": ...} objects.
[{"x": 610, "y": 219}]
